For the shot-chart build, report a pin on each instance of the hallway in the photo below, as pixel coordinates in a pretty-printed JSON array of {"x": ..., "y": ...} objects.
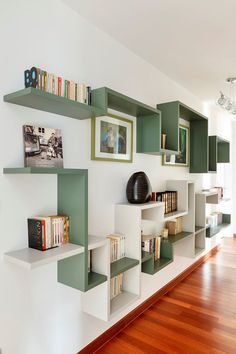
[{"x": 197, "y": 316}]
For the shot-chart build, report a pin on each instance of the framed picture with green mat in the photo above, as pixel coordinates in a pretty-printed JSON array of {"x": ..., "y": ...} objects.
[{"x": 112, "y": 139}]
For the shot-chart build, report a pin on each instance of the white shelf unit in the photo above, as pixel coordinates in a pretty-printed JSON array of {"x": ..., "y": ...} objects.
[
  {"x": 203, "y": 201},
  {"x": 186, "y": 246},
  {"x": 30, "y": 258}
]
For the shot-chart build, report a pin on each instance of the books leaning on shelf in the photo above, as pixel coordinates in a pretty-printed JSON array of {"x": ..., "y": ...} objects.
[
  {"x": 45, "y": 232},
  {"x": 117, "y": 247},
  {"x": 116, "y": 286},
  {"x": 170, "y": 200},
  {"x": 56, "y": 85},
  {"x": 152, "y": 244}
]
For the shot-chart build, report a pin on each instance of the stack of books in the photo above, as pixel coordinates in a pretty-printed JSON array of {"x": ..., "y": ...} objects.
[
  {"x": 152, "y": 244},
  {"x": 45, "y": 232},
  {"x": 214, "y": 219},
  {"x": 117, "y": 247},
  {"x": 116, "y": 285},
  {"x": 170, "y": 200},
  {"x": 58, "y": 86}
]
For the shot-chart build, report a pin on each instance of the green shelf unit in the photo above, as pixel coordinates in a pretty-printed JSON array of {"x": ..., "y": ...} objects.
[
  {"x": 212, "y": 231},
  {"x": 219, "y": 152},
  {"x": 122, "y": 265},
  {"x": 48, "y": 102},
  {"x": 72, "y": 200},
  {"x": 171, "y": 114},
  {"x": 148, "y": 118},
  {"x": 174, "y": 239},
  {"x": 152, "y": 266}
]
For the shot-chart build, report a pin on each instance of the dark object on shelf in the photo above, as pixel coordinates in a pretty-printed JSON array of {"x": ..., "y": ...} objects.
[
  {"x": 31, "y": 77},
  {"x": 138, "y": 189}
]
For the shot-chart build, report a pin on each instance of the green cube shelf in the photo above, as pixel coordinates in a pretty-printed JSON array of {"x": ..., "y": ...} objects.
[{"x": 219, "y": 152}]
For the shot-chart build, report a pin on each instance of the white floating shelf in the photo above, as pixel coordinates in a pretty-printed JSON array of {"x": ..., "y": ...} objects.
[
  {"x": 121, "y": 302},
  {"x": 175, "y": 214},
  {"x": 96, "y": 241},
  {"x": 144, "y": 205},
  {"x": 30, "y": 258}
]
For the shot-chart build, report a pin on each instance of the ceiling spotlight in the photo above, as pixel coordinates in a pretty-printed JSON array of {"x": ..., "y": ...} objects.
[{"x": 227, "y": 102}]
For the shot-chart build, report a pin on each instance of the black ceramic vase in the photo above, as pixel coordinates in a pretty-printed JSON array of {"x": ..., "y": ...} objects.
[{"x": 138, "y": 189}]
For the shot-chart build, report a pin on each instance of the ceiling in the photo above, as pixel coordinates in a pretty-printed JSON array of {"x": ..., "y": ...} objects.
[{"x": 191, "y": 41}]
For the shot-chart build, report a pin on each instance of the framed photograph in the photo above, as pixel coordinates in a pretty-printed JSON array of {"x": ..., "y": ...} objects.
[
  {"x": 42, "y": 147},
  {"x": 112, "y": 139},
  {"x": 182, "y": 159}
]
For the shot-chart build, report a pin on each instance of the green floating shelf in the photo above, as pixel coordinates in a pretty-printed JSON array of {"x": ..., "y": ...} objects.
[
  {"x": 48, "y": 102},
  {"x": 219, "y": 152},
  {"x": 122, "y": 265},
  {"x": 150, "y": 266},
  {"x": 95, "y": 279},
  {"x": 212, "y": 231},
  {"x": 173, "y": 239},
  {"x": 43, "y": 170}
]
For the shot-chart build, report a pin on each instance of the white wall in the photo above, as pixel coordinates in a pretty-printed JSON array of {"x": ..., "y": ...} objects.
[{"x": 38, "y": 315}]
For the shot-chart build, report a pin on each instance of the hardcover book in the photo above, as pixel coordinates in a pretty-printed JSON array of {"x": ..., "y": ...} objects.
[{"x": 42, "y": 147}]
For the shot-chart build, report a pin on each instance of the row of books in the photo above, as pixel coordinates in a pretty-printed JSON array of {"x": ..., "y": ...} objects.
[
  {"x": 170, "y": 200},
  {"x": 116, "y": 286},
  {"x": 152, "y": 244},
  {"x": 214, "y": 219},
  {"x": 45, "y": 232},
  {"x": 56, "y": 85},
  {"x": 117, "y": 247}
]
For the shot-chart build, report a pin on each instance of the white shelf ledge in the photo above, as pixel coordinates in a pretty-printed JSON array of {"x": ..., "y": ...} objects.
[
  {"x": 30, "y": 258},
  {"x": 121, "y": 302},
  {"x": 144, "y": 205},
  {"x": 96, "y": 242},
  {"x": 175, "y": 214}
]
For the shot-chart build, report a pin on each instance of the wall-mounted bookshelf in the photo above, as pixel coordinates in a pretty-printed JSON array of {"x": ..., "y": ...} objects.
[
  {"x": 219, "y": 152},
  {"x": 171, "y": 114},
  {"x": 48, "y": 102},
  {"x": 72, "y": 200}
]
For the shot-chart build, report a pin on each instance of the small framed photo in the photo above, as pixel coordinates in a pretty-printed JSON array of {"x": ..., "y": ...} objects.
[
  {"x": 112, "y": 139},
  {"x": 182, "y": 159},
  {"x": 42, "y": 147}
]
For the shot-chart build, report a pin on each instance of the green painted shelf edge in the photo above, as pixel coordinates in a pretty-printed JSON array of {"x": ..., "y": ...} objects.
[
  {"x": 212, "y": 231},
  {"x": 95, "y": 279},
  {"x": 106, "y": 98},
  {"x": 198, "y": 229},
  {"x": 157, "y": 266},
  {"x": 48, "y": 102},
  {"x": 122, "y": 265},
  {"x": 44, "y": 170},
  {"x": 173, "y": 239}
]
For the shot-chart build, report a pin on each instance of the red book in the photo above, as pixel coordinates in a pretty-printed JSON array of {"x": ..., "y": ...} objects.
[
  {"x": 59, "y": 84},
  {"x": 44, "y": 235}
]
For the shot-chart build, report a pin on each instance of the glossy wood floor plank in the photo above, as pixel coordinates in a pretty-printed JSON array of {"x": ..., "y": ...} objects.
[{"x": 197, "y": 317}]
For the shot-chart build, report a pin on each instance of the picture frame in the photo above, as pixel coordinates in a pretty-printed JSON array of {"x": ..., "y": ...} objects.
[
  {"x": 112, "y": 138},
  {"x": 181, "y": 159}
]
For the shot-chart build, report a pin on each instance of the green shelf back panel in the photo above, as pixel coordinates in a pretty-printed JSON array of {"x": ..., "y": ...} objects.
[
  {"x": 199, "y": 146},
  {"x": 149, "y": 134},
  {"x": 122, "y": 265},
  {"x": 223, "y": 152},
  {"x": 95, "y": 279},
  {"x": 170, "y": 124},
  {"x": 212, "y": 153},
  {"x": 47, "y": 102},
  {"x": 73, "y": 201},
  {"x": 105, "y": 98}
]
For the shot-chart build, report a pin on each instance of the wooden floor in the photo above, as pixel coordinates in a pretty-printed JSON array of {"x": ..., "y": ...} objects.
[{"x": 197, "y": 316}]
